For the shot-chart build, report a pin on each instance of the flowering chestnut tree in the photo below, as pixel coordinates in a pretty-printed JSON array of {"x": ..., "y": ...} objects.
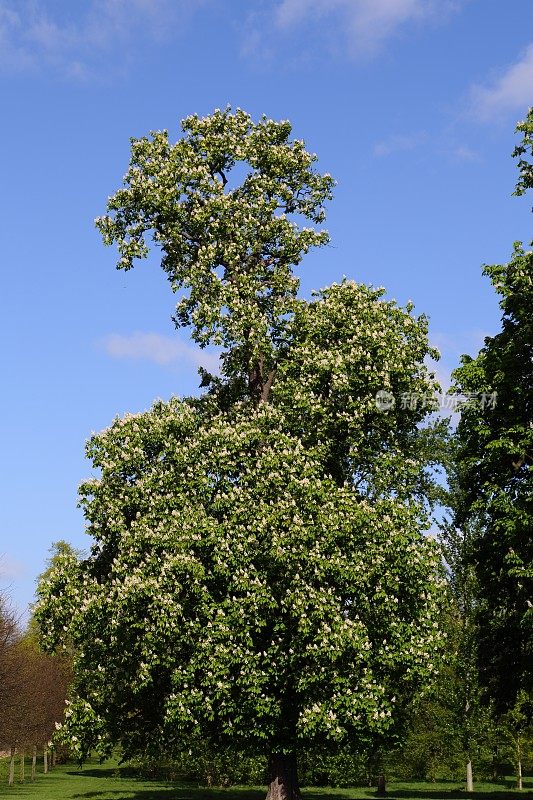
[{"x": 259, "y": 573}]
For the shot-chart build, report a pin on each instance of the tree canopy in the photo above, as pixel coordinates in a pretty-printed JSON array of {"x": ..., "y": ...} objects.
[
  {"x": 260, "y": 572},
  {"x": 495, "y": 475},
  {"x": 230, "y": 248}
]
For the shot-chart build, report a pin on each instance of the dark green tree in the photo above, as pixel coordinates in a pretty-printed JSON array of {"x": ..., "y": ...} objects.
[{"x": 495, "y": 471}]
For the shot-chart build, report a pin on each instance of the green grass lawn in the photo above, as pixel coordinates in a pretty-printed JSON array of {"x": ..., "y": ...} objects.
[{"x": 104, "y": 782}]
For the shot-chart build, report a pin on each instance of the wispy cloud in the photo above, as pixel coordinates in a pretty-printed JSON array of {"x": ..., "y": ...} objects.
[
  {"x": 159, "y": 349},
  {"x": 463, "y": 152},
  {"x": 510, "y": 90},
  {"x": 10, "y": 567},
  {"x": 75, "y": 42},
  {"x": 425, "y": 145},
  {"x": 400, "y": 142},
  {"x": 451, "y": 347},
  {"x": 459, "y": 342},
  {"x": 365, "y": 25}
]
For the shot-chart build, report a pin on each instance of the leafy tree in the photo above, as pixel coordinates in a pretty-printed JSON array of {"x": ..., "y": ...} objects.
[
  {"x": 32, "y": 691},
  {"x": 9, "y": 635},
  {"x": 495, "y": 475},
  {"x": 469, "y": 708},
  {"x": 447, "y": 725},
  {"x": 432, "y": 748},
  {"x": 60, "y": 552},
  {"x": 232, "y": 249},
  {"x": 260, "y": 575},
  {"x": 516, "y": 730}
]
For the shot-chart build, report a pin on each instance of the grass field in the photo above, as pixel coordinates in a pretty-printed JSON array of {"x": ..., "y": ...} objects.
[{"x": 104, "y": 782}]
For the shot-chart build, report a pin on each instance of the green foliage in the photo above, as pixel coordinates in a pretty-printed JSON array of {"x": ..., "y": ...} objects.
[
  {"x": 458, "y": 689},
  {"x": 522, "y": 151},
  {"x": 348, "y": 344},
  {"x": 516, "y": 735},
  {"x": 260, "y": 575},
  {"x": 495, "y": 481},
  {"x": 345, "y": 767},
  {"x": 231, "y": 249},
  {"x": 234, "y": 587},
  {"x": 205, "y": 765},
  {"x": 61, "y": 553},
  {"x": 432, "y": 749},
  {"x": 447, "y": 726}
]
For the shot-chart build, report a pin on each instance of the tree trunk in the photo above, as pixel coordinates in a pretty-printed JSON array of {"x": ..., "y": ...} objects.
[
  {"x": 519, "y": 784},
  {"x": 53, "y": 757},
  {"x": 11, "y": 777},
  {"x": 495, "y": 770},
  {"x": 34, "y": 763},
  {"x": 283, "y": 777},
  {"x": 469, "y": 778},
  {"x": 45, "y": 760},
  {"x": 22, "y": 765},
  {"x": 382, "y": 787}
]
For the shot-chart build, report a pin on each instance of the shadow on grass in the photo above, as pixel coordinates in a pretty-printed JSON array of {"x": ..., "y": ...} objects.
[
  {"x": 172, "y": 791},
  {"x": 236, "y": 793},
  {"x": 201, "y": 793},
  {"x": 505, "y": 790},
  {"x": 508, "y": 793},
  {"x": 179, "y": 793},
  {"x": 176, "y": 793}
]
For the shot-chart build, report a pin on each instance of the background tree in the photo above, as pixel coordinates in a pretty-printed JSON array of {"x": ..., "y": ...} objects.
[
  {"x": 60, "y": 552},
  {"x": 259, "y": 575},
  {"x": 470, "y": 710},
  {"x": 9, "y": 680},
  {"x": 33, "y": 689},
  {"x": 495, "y": 476},
  {"x": 516, "y": 734},
  {"x": 448, "y": 725}
]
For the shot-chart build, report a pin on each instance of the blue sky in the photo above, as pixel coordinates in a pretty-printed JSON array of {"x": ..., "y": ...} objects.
[{"x": 410, "y": 104}]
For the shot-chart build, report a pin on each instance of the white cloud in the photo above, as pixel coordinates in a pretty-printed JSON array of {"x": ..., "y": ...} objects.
[
  {"x": 367, "y": 24},
  {"x": 31, "y": 36},
  {"x": 400, "y": 142},
  {"x": 510, "y": 91},
  {"x": 163, "y": 350}
]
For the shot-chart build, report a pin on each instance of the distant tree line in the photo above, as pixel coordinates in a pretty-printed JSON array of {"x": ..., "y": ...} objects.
[{"x": 33, "y": 688}]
